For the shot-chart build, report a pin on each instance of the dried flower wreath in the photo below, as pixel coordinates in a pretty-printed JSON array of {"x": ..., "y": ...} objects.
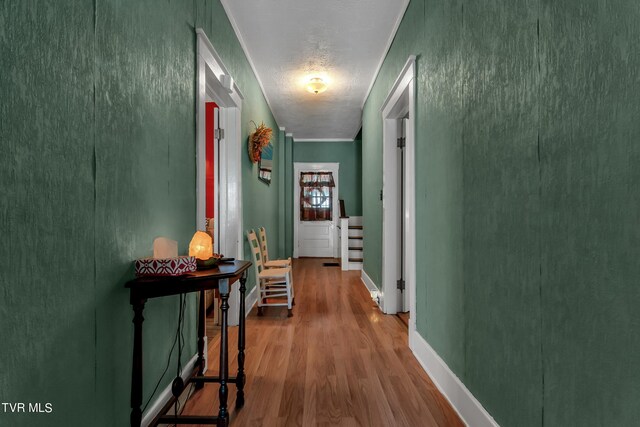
[{"x": 258, "y": 140}]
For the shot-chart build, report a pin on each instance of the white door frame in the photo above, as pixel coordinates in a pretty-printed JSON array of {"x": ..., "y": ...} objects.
[
  {"x": 215, "y": 83},
  {"x": 399, "y": 102},
  {"x": 298, "y": 167}
]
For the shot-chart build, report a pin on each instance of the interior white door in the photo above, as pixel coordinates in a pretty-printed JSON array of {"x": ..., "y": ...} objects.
[{"x": 316, "y": 238}]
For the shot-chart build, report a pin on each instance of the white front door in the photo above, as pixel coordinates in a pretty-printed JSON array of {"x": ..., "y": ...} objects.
[{"x": 315, "y": 238}]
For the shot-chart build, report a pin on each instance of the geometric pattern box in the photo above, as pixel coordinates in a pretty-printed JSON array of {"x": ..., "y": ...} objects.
[{"x": 165, "y": 267}]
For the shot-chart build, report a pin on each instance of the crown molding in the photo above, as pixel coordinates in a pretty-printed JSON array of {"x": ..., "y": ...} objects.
[
  {"x": 386, "y": 51},
  {"x": 236, "y": 30}
]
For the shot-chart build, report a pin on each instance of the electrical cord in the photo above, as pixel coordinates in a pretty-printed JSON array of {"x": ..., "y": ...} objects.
[
  {"x": 173, "y": 346},
  {"x": 180, "y": 333}
]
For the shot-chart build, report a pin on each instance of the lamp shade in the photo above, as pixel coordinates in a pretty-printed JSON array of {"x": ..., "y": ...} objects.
[
  {"x": 316, "y": 85},
  {"x": 201, "y": 246}
]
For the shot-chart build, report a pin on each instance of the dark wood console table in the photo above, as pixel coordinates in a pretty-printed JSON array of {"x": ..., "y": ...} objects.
[{"x": 221, "y": 278}]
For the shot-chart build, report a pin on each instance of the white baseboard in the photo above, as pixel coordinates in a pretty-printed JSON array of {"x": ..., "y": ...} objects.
[
  {"x": 376, "y": 295},
  {"x": 368, "y": 283},
  {"x": 465, "y": 404},
  {"x": 166, "y": 394},
  {"x": 250, "y": 300}
]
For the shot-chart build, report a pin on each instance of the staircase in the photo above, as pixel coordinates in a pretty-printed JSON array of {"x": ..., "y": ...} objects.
[{"x": 351, "y": 240}]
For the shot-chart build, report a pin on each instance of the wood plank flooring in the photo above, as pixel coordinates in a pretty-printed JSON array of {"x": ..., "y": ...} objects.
[{"x": 338, "y": 361}]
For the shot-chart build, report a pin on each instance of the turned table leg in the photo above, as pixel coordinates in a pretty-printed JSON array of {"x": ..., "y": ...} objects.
[
  {"x": 241, "y": 340},
  {"x": 201, "y": 335},
  {"x": 223, "y": 414},
  {"x": 136, "y": 372}
]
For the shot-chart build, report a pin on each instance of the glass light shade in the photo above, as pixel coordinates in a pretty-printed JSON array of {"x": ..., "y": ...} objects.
[
  {"x": 201, "y": 246},
  {"x": 316, "y": 85}
]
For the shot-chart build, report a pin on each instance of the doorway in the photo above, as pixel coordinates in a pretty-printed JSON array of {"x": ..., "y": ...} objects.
[
  {"x": 218, "y": 160},
  {"x": 398, "y": 201},
  {"x": 316, "y": 212}
]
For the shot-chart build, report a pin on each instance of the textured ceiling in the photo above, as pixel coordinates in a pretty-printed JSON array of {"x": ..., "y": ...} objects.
[{"x": 342, "y": 41}]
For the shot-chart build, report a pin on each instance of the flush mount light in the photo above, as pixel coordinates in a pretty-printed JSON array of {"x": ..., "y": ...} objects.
[{"x": 316, "y": 85}]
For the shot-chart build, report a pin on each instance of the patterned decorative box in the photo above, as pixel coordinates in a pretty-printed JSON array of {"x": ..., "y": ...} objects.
[{"x": 165, "y": 267}]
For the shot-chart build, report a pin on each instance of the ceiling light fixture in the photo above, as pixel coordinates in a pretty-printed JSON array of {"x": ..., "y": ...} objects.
[{"x": 316, "y": 85}]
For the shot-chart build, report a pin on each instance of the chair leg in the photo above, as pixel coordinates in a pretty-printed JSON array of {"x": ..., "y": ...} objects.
[
  {"x": 293, "y": 294},
  {"x": 289, "y": 294},
  {"x": 261, "y": 300}
]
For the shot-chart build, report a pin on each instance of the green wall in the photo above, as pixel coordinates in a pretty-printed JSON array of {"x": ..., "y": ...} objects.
[
  {"x": 526, "y": 160},
  {"x": 349, "y": 155},
  {"x": 97, "y": 123}
]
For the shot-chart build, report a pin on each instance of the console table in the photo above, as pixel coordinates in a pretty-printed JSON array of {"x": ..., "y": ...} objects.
[{"x": 221, "y": 278}]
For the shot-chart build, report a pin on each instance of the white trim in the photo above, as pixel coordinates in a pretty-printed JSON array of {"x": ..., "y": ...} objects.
[
  {"x": 344, "y": 243},
  {"x": 386, "y": 51},
  {"x": 324, "y": 140},
  {"x": 334, "y": 168},
  {"x": 376, "y": 295},
  {"x": 236, "y": 30},
  {"x": 281, "y": 128},
  {"x": 166, "y": 394},
  {"x": 461, "y": 399},
  {"x": 250, "y": 300},
  {"x": 289, "y": 135},
  {"x": 401, "y": 100},
  {"x": 217, "y": 62},
  {"x": 407, "y": 72}
]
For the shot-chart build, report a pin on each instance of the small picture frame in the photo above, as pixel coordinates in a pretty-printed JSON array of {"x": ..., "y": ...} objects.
[{"x": 265, "y": 166}]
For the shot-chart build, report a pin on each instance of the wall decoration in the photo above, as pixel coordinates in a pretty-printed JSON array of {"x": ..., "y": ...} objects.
[
  {"x": 259, "y": 139},
  {"x": 266, "y": 164}
]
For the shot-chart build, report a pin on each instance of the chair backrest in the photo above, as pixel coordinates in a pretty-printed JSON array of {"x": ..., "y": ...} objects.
[
  {"x": 256, "y": 257},
  {"x": 262, "y": 233}
]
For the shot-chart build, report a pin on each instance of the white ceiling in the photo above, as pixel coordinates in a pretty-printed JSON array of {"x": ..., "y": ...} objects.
[{"x": 289, "y": 41}]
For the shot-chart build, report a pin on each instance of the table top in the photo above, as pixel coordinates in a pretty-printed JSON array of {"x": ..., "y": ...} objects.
[{"x": 157, "y": 286}]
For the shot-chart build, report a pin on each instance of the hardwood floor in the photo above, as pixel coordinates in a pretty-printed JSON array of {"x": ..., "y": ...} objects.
[
  {"x": 404, "y": 318},
  {"x": 337, "y": 361}
]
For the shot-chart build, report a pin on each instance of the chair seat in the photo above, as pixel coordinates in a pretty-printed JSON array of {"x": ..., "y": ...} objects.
[
  {"x": 278, "y": 263},
  {"x": 274, "y": 273}
]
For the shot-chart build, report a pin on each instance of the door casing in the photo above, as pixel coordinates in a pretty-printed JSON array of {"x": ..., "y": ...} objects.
[
  {"x": 214, "y": 83},
  {"x": 399, "y": 103}
]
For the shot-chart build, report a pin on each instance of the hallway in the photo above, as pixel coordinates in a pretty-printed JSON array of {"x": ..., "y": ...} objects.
[{"x": 337, "y": 361}]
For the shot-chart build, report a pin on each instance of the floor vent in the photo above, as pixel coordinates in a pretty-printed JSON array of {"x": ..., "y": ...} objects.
[{"x": 331, "y": 264}]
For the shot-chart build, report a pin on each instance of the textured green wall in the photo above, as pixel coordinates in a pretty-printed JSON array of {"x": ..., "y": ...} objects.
[
  {"x": 48, "y": 254},
  {"x": 589, "y": 154},
  {"x": 526, "y": 159},
  {"x": 502, "y": 209},
  {"x": 97, "y": 126},
  {"x": 349, "y": 155}
]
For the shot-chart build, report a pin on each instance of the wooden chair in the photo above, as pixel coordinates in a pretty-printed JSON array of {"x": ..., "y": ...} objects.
[
  {"x": 272, "y": 283},
  {"x": 270, "y": 263}
]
